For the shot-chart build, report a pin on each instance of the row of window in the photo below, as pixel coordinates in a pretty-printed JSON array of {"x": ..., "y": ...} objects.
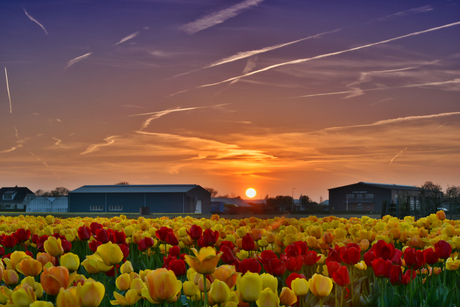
[
  {"x": 368, "y": 196},
  {"x": 111, "y": 208}
]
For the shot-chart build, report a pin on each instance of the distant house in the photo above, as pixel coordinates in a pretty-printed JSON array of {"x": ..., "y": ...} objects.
[
  {"x": 48, "y": 204},
  {"x": 15, "y": 198},
  {"x": 367, "y": 196},
  {"x": 174, "y": 198}
]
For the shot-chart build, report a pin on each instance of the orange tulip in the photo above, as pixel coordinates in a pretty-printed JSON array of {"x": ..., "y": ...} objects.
[
  {"x": 14, "y": 259},
  {"x": 131, "y": 297},
  {"x": 205, "y": 261},
  {"x": 29, "y": 267},
  {"x": 225, "y": 273},
  {"x": 44, "y": 258},
  {"x": 55, "y": 278},
  {"x": 287, "y": 297},
  {"x": 10, "y": 277},
  {"x": 162, "y": 286}
]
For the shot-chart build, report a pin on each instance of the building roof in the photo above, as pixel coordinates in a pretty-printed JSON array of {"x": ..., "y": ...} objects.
[
  {"x": 383, "y": 186},
  {"x": 157, "y": 188},
  {"x": 231, "y": 201},
  {"x": 21, "y": 193}
]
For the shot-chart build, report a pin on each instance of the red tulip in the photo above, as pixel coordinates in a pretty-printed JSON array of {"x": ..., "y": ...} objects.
[
  {"x": 310, "y": 258},
  {"x": 443, "y": 249},
  {"x": 332, "y": 267},
  {"x": 266, "y": 256},
  {"x": 120, "y": 237},
  {"x": 413, "y": 258},
  {"x": 292, "y": 277},
  {"x": 210, "y": 237},
  {"x": 171, "y": 239},
  {"x": 334, "y": 255},
  {"x": 397, "y": 257},
  {"x": 294, "y": 264},
  {"x": 227, "y": 256},
  {"x": 302, "y": 245},
  {"x": 174, "y": 251},
  {"x": 22, "y": 235},
  {"x": 341, "y": 276},
  {"x": 66, "y": 245},
  {"x": 350, "y": 254},
  {"x": 249, "y": 264},
  {"x": 124, "y": 249},
  {"x": 2, "y": 251},
  {"x": 229, "y": 244},
  {"x": 395, "y": 274},
  {"x": 378, "y": 265},
  {"x": 93, "y": 245},
  {"x": 8, "y": 241},
  {"x": 84, "y": 233},
  {"x": 406, "y": 277},
  {"x": 293, "y": 250},
  {"x": 368, "y": 257},
  {"x": 94, "y": 226},
  {"x": 277, "y": 267},
  {"x": 195, "y": 232},
  {"x": 102, "y": 235},
  {"x": 248, "y": 242},
  {"x": 431, "y": 257},
  {"x": 383, "y": 250},
  {"x": 178, "y": 267},
  {"x": 162, "y": 233}
]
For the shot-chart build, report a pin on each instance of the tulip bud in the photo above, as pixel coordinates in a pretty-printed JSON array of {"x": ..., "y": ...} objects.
[{"x": 71, "y": 261}]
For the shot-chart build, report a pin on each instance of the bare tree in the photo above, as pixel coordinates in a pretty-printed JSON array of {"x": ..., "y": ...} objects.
[
  {"x": 452, "y": 196},
  {"x": 431, "y": 197},
  {"x": 39, "y": 192},
  {"x": 122, "y": 183},
  {"x": 212, "y": 191}
]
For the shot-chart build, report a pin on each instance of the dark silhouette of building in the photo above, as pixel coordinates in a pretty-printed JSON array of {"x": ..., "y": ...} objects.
[{"x": 15, "y": 198}]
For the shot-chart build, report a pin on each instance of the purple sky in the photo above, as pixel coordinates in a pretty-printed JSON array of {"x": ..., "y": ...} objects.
[{"x": 268, "y": 94}]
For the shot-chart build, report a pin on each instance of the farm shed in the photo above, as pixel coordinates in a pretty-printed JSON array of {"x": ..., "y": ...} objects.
[
  {"x": 178, "y": 198},
  {"x": 48, "y": 204}
]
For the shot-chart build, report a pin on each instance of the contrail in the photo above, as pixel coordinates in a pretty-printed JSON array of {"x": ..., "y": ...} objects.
[
  {"x": 247, "y": 54},
  {"x": 158, "y": 114},
  {"x": 416, "y": 10},
  {"x": 397, "y": 155},
  {"x": 11, "y": 149},
  {"x": 58, "y": 141},
  {"x": 34, "y": 20},
  {"x": 127, "y": 38},
  {"x": 77, "y": 59},
  {"x": 440, "y": 126},
  {"x": 298, "y": 61},
  {"x": 250, "y": 65},
  {"x": 395, "y": 120},
  {"x": 8, "y": 90},
  {"x": 95, "y": 147},
  {"x": 218, "y": 17},
  {"x": 382, "y": 88}
]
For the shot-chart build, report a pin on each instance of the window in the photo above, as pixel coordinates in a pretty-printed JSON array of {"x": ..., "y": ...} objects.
[
  {"x": 369, "y": 195},
  {"x": 95, "y": 208},
  {"x": 9, "y": 195},
  {"x": 115, "y": 208},
  {"x": 359, "y": 195},
  {"x": 350, "y": 196}
]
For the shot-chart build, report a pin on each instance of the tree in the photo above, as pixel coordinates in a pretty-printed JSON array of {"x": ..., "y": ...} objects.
[
  {"x": 307, "y": 201},
  {"x": 431, "y": 197},
  {"x": 122, "y": 183},
  {"x": 452, "y": 197},
  {"x": 212, "y": 191},
  {"x": 39, "y": 192},
  {"x": 58, "y": 192},
  {"x": 284, "y": 203}
]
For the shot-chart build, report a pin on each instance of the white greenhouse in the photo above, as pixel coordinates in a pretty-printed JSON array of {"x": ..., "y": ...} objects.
[{"x": 48, "y": 204}]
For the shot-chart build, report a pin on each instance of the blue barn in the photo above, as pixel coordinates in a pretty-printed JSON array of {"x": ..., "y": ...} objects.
[{"x": 174, "y": 198}]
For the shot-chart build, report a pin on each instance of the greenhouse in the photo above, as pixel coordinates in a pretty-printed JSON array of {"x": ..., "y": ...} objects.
[{"x": 48, "y": 204}]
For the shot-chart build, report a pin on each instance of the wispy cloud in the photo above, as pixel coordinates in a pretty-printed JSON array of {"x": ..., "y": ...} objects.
[
  {"x": 158, "y": 114},
  {"x": 127, "y": 38},
  {"x": 109, "y": 141},
  {"x": 218, "y": 17},
  {"x": 58, "y": 141},
  {"x": 396, "y": 120},
  {"x": 11, "y": 149},
  {"x": 298, "y": 61},
  {"x": 416, "y": 10},
  {"x": 250, "y": 64},
  {"x": 34, "y": 20},
  {"x": 353, "y": 92},
  {"x": 77, "y": 59},
  {"x": 391, "y": 161},
  {"x": 8, "y": 90}
]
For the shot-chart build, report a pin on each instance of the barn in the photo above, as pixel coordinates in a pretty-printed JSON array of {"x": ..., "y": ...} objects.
[{"x": 174, "y": 198}]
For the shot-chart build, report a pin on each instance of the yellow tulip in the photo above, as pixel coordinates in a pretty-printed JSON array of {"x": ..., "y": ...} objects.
[
  {"x": 23, "y": 296},
  {"x": 38, "y": 289},
  {"x": 41, "y": 304},
  {"x": 287, "y": 297},
  {"x": 68, "y": 298},
  {"x": 361, "y": 265},
  {"x": 190, "y": 289},
  {"x": 109, "y": 253},
  {"x": 45, "y": 258},
  {"x": 162, "y": 286},
  {"x": 10, "y": 277},
  {"x": 70, "y": 261},
  {"x": 15, "y": 258},
  {"x": 220, "y": 292},
  {"x": 300, "y": 286},
  {"x": 5, "y": 294},
  {"x": 249, "y": 287},
  {"x": 123, "y": 282},
  {"x": 29, "y": 267},
  {"x": 129, "y": 230},
  {"x": 53, "y": 246},
  {"x": 320, "y": 285},
  {"x": 137, "y": 284},
  {"x": 126, "y": 267},
  {"x": 268, "y": 298},
  {"x": 90, "y": 293},
  {"x": 94, "y": 266},
  {"x": 269, "y": 281},
  {"x": 200, "y": 282},
  {"x": 452, "y": 264},
  {"x": 205, "y": 261},
  {"x": 131, "y": 297}
]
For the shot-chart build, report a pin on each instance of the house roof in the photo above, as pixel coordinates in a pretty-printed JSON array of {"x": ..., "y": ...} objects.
[
  {"x": 21, "y": 193},
  {"x": 383, "y": 186},
  {"x": 157, "y": 188}
]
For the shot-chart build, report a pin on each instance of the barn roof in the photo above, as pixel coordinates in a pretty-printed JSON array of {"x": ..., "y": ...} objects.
[
  {"x": 157, "y": 188},
  {"x": 383, "y": 186}
]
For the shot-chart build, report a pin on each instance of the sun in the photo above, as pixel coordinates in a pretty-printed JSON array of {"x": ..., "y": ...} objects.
[{"x": 251, "y": 192}]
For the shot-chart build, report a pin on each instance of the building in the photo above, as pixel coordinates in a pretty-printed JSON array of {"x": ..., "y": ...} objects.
[
  {"x": 48, "y": 204},
  {"x": 366, "y": 196},
  {"x": 177, "y": 198},
  {"x": 15, "y": 199}
]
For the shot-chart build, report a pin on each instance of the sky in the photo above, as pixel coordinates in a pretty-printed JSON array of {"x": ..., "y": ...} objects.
[{"x": 287, "y": 97}]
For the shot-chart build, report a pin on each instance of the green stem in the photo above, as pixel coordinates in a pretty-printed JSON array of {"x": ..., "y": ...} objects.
[
  {"x": 321, "y": 302},
  {"x": 205, "y": 292},
  {"x": 410, "y": 287},
  {"x": 381, "y": 291}
]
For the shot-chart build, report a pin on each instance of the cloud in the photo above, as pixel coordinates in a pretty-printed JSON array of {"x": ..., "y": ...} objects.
[
  {"x": 250, "y": 64},
  {"x": 397, "y": 155},
  {"x": 110, "y": 140},
  {"x": 34, "y": 20},
  {"x": 298, "y": 61},
  {"x": 77, "y": 59},
  {"x": 416, "y": 10},
  {"x": 58, "y": 141},
  {"x": 127, "y": 38},
  {"x": 218, "y": 17},
  {"x": 11, "y": 149},
  {"x": 8, "y": 90},
  {"x": 158, "y": 114}
]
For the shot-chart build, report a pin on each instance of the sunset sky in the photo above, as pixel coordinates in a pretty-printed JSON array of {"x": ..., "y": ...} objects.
[{"x": 229, "y": 94}]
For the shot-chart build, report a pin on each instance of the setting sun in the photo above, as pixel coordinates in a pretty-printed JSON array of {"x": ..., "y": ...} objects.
[{"x": 251, "y": 192}]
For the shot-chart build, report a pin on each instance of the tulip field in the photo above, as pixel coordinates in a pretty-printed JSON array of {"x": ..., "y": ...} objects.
[{"x": 185, "y": 261}]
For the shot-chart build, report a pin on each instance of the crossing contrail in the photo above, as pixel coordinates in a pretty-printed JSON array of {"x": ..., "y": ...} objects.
[
  {"x": 298, "y": 61},
  {"x": 77, "y": 59},
  {"x": 8, "y": 90}
]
